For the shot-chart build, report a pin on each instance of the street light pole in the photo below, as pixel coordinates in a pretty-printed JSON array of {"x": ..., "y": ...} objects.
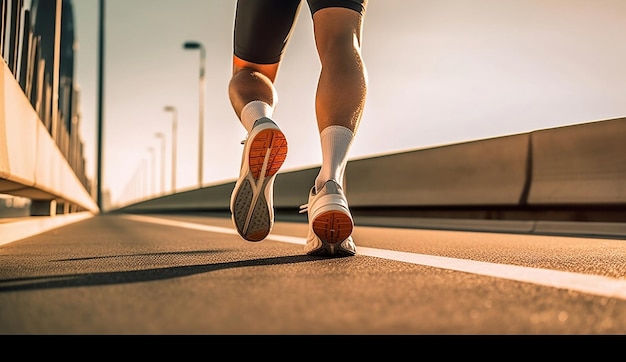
[
  {"x": 174, "y": 137},
  {"x": 162, "y": 137},
  {"x": 100, "y": 126},
  {"x": 197, "y": 45}
]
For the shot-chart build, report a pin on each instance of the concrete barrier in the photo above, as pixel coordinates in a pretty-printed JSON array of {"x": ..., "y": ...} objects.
[
  {"x": 31, "y": 164},
  {"x": 486, "y": 172},
  {"x": 212, "y": 197},
  {"x": 18, "y": 134},
  {"x": 520, "y": 183},
  {"x": 291, "y": 189},
  {"x": 579, "y": 164}
]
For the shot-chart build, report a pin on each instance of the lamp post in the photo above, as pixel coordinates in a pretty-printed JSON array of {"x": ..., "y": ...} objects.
[
  {"x": 99, "y": 133},
  {"x": 196, "y": 45},
  {"x": 162, "y": 137},
  {"x": 174, "y": 130}
]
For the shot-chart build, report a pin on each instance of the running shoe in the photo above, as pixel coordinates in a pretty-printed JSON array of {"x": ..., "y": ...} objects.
[
  {"x": 252, "y": 199},
  {"x": 330, "y": 222}
]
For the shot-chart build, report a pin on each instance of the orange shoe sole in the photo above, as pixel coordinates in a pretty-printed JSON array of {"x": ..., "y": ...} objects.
[
  {"x": 274, "y": 141},
  {"x": 333, "y": 226}
]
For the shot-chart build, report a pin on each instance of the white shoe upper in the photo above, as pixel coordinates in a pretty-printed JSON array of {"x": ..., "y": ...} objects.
[{"x": 330, "y": 198}]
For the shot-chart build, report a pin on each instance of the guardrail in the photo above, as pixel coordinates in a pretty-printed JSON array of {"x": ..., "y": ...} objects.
[
  {"x": 571, "y": 177},
  {"x": 579, "y": 165}
]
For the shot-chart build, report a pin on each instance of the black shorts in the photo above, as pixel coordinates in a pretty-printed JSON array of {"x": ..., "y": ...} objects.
[{"x": 262, "y": 27}]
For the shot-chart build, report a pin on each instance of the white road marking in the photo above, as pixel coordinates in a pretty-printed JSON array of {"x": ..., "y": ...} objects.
[
  {"x": 584, "y": 283},
  {"x": 182, "y": 224}
]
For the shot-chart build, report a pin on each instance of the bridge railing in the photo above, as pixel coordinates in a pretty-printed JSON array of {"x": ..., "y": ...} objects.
[
  {"x": 31, "y": 163},
  {"x": 41, "y": 152}
]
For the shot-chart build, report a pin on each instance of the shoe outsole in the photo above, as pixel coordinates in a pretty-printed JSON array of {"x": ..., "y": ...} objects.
[
  {"x": 251, "y": 211},
  {"x": 332, "y": 226},
  {"x": 269, "y": 139},
  {"x": 254, "y": 226}
]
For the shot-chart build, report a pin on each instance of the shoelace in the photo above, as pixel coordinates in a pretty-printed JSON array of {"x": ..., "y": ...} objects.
[
  {"x": 243, "y": 141},
  {"x": 303, "y": 208}
]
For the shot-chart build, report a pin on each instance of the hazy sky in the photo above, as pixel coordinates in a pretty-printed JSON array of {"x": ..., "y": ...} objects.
[{"x": 440, "y": 72}]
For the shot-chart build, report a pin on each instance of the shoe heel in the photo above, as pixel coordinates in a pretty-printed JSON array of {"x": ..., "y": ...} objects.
[{"x": 333, "y": 226}]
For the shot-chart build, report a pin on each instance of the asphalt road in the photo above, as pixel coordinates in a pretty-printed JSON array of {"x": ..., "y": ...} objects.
[{"x": 192, "y": 274}]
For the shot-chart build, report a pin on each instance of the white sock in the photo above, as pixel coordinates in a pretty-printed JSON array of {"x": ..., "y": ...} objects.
[
  {"x": 253, "y": 111},
  {"x": 336, "y": 142}
]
